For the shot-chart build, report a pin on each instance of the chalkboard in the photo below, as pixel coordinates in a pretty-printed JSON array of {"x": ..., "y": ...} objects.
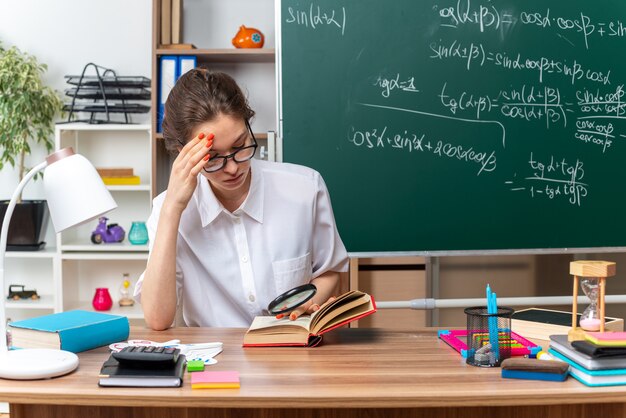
[{"x": 459, "y": 125}]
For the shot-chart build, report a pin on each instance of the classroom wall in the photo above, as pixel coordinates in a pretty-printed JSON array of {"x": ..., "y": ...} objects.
[{"x": 66, "y": 35}]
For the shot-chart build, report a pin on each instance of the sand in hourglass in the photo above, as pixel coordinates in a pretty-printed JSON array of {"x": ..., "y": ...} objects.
[{"x": 590, "y": 324}]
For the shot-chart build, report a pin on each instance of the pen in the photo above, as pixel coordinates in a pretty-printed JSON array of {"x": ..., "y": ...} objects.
[
  {"x": 200, "y": 345},
  {"x": 492, "y": 309}
]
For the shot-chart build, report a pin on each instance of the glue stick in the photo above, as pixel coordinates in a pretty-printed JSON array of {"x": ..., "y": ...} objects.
[{"x": 544, "y": 355}]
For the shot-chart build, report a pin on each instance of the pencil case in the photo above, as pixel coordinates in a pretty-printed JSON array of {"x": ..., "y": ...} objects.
[{"x": 533, "y": 369}]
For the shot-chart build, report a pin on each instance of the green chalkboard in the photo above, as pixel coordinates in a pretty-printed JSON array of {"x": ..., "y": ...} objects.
[{"x": 458, "y": 125}]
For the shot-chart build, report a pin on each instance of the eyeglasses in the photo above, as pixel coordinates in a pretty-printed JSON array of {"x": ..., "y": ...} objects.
[
  {"x": 217, "y": 162},
  {"x": 242, "y": 155}
]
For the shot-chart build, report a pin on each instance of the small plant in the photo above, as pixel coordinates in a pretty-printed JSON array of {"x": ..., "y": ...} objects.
[{"x": 27, "y": 108}]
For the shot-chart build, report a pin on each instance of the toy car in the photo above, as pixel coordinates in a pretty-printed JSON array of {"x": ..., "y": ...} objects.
[
  {"x": 17, "y": 292},
  {"x": 107, "y": 233}
]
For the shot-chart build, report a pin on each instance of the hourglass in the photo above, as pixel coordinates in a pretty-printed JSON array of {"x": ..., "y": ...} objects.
[{"x": 592, "y": 276}]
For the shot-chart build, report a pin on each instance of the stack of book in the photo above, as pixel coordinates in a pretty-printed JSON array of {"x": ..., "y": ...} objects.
[
  {"x": 171, "y": 25},
  {"x": 73, "y": 331},
  {"x": 591, "y": 364},
  {"x": 124, "y": 176}
]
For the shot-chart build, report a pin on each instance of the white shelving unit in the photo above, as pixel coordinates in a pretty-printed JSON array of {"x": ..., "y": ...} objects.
[
  {"x": 85, "y": 266},
  {"x": 67, "y": 272},
  {"x": 34, "y": 270}
]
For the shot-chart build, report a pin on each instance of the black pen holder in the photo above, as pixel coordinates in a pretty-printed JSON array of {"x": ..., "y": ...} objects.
[{"x": 488, "y": 336}]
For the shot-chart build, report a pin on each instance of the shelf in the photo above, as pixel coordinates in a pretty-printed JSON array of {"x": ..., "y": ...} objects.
[
  {"x": 45, "y": 302},
  {"x": 226, "y": 55},
  {"x": 105, "y": 256},
  {"x": 260, "y": 135},
  {"x": 132, "y": 188},
  {"x": 131, "y": 312},
  {"x": 48, "y": 252},
  {"x": 102, "y": 127},
  {"x": 87, "y": 246}
]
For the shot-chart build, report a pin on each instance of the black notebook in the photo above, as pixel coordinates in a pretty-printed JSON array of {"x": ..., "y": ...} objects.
[
  {"x": 114, "y": 374},
  {"x": 596, "y": 351}
]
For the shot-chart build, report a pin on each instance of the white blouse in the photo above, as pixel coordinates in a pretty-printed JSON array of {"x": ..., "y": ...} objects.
[{"x": 229, "y": 266}]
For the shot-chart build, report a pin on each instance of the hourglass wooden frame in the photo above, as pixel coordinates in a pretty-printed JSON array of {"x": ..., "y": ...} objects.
[{"x": 589, "y": 268}]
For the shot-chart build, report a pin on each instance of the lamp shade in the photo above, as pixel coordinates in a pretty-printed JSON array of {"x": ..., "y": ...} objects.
[{"x": 74, "y": 190}]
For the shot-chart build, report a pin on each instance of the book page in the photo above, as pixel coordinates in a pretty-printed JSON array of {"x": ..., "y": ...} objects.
[
  {"x": 267, "y": 330},
  {"x": 346, "y": 303},
  {"x": 341, "y": 299},
  {"x": 262, "y": 322},
  {"x": 31, "y": 338},
  {"x": 343, "y": 314}
]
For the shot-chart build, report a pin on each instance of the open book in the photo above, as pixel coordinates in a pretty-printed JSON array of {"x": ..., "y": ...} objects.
[{"x": 306, "y": 330}]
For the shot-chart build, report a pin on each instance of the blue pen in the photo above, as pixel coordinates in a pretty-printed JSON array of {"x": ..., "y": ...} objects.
[{"x": 494, "y": 310}]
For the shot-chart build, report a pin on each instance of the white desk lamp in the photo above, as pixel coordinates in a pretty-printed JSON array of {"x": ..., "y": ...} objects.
[{"x": 75, "y": 194}]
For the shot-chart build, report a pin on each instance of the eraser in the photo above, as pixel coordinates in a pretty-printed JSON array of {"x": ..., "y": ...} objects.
[
  {"x": 195, "y": 365},
  {"x": 533, "y": 369}
]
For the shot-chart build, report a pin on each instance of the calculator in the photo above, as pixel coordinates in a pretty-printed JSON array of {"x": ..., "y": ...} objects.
[{"x": 147, "y": 356}]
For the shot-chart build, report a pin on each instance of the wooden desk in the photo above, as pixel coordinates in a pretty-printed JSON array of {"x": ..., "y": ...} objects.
[{"x": 355, "y": 373}]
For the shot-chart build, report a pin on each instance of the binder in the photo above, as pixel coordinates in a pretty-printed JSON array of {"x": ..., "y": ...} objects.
[
  {"x": 168, "y": 74},
  {"x": 186, "y": 63}
]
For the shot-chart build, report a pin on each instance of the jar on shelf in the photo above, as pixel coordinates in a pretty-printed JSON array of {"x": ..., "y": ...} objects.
[
  {"x": 102, "y": 299},
  {"x": 138, "y": 234},
  {"x": 125, "y": 298}
]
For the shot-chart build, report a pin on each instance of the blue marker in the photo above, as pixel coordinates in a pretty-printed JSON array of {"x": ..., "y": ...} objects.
[{"x": 492, "y": 309}]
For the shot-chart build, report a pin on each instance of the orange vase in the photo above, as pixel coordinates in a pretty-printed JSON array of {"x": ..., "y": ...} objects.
[{"x": 248, "y": 38}]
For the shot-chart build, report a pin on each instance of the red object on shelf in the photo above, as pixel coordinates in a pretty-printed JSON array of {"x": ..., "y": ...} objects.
[{"x": 102, "y": 299}]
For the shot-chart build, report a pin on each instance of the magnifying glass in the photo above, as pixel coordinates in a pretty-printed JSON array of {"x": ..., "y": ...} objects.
[{"x": 291, "y": 299}]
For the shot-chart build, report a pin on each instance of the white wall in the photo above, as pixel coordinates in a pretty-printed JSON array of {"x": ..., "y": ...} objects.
[
  {"x": 66, "y": 35},
  {"x": 213, "y": 23}
]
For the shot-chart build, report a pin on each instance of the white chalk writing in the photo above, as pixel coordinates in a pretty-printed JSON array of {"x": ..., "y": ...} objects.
[
  {"x": 552, "y": 178},
  {"x": 314, "y": 17},
  {"x": 418, "y": 142}
]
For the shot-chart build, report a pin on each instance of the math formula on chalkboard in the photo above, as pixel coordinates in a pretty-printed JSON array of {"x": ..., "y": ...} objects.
[{"x": 460, "y": 125}]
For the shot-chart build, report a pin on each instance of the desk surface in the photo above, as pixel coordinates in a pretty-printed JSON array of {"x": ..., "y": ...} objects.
[{"x": 354, "y": 367}]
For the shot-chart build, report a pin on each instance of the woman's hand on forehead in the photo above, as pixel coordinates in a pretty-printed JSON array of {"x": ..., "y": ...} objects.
[{"x": 239, "y": 142}]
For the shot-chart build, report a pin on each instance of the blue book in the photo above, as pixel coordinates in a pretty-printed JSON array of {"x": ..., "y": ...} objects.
[
  {"x": 73, "y": 331},
  {"x": 608, "y": 377}
]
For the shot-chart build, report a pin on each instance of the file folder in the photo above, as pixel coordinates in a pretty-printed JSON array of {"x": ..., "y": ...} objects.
[
  {"x": 168, "y": 69},
  {"x": 186, "y": 63}
]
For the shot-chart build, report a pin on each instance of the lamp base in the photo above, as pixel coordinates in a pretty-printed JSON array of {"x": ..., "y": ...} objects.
[{"x": 36, "y": 363}]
